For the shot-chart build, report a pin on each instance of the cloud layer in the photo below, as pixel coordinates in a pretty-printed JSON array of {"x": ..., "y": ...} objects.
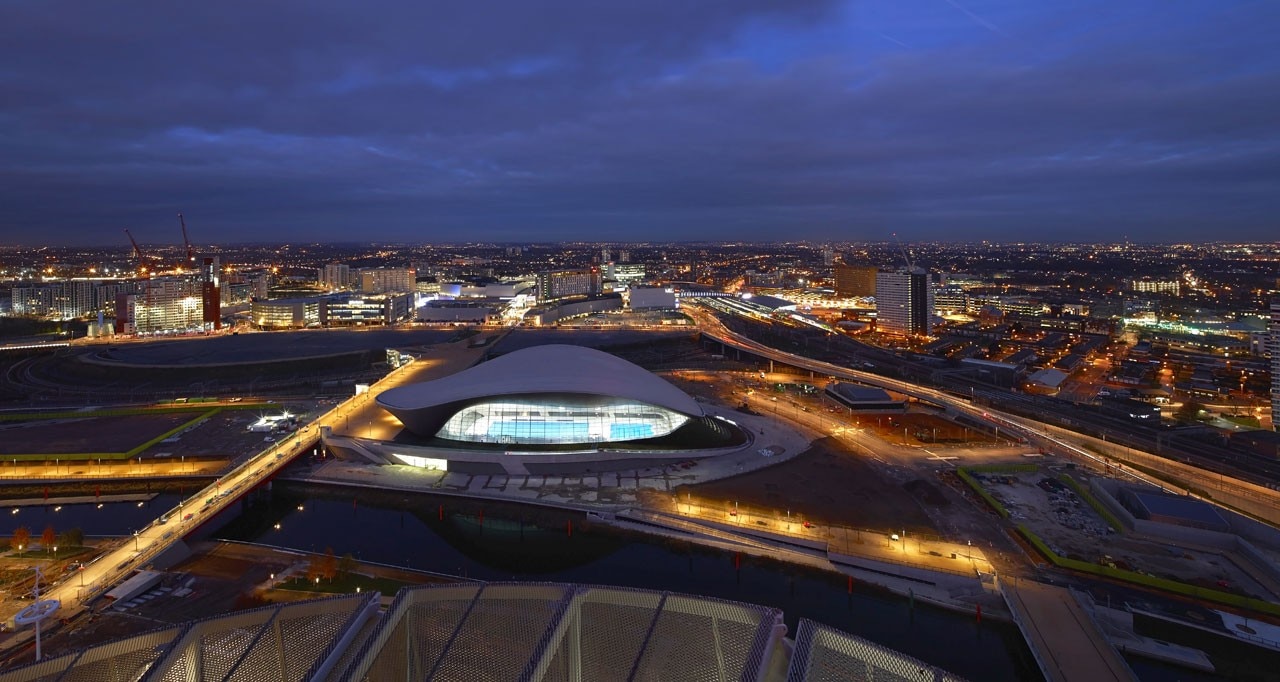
[{"x": 761, "y": 119}]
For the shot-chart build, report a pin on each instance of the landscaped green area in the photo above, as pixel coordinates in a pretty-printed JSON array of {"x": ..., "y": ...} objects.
[
  {"x": 43, "y": 553},
  {"x": 978, "y": 488},
  {"x": 346, "y": 584}
]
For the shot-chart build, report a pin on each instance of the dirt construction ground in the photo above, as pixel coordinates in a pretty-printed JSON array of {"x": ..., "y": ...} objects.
[
  {"x": 1072, "y": 528},
  {"x": 918, "y": 428},
  {"x": 829, "y": 483}
]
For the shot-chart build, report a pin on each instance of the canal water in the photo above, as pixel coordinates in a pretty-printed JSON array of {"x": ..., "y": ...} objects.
[{"x": 506, "y": 542}]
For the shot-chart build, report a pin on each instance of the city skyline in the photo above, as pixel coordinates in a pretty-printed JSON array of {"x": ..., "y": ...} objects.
[{"x": 735, "y": 121}]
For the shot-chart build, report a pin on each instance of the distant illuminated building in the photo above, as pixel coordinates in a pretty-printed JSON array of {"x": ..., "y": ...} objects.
[
  {"x": 652, "y": 298},
  {"x": 624, "y": 272},
  {"x": 904, "y": 302},
  {"x": 558, "y": 284},
  {"x": 1155, "y": 286},
  {"x": 855, "y": 281},
  {"x": 67, "y": 300},
  {"x": 1275, "y": 363},
  {"x": 388, "y": 280},
  {"x": 951, "y": 299},
  {"x": 316, "y": 311},
  {"x": 1016, "y": 304},
  {"x": 211, "y": 292},
  {"x": 335, "y": 276},
  {"x": 287, "y": 313},
  {"x": 379, "y": 309},
  {"x": 163, "y": 304}
]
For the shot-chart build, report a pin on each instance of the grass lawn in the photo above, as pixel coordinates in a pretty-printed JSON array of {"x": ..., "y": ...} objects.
[
  {"x": 346, "y": 584},
  {"x": 41, "y": 553}
]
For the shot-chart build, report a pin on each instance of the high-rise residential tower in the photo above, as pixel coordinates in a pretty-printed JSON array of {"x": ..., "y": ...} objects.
[
  {"x": 904, "y": 302},
  {"x": 1275, "y": 364}
]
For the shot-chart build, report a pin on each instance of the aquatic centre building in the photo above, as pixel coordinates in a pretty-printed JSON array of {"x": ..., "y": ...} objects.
[{"x": 549, "y": 404}]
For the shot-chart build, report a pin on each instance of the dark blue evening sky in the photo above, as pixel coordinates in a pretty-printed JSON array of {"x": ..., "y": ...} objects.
[{"x": 516, "y": 120}]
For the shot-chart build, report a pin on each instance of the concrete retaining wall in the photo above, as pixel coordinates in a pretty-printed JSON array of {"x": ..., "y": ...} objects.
[{"x": 1104, "y": 491}]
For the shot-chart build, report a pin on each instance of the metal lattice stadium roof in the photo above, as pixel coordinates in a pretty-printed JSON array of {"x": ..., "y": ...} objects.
[{"x": 477, "y": 632}]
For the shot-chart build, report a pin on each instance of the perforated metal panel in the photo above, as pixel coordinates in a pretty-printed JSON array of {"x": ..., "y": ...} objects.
[
  {"x": 551, "y": 632},
  {"x": 485, "y": 633},
  {"x": 826, "y": 655}
]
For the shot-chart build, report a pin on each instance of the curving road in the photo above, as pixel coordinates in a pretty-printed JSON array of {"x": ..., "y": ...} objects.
[{"x": 1224, "y": 490}]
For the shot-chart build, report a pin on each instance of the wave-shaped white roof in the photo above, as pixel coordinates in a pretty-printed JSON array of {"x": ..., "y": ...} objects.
[{"x": 554, "y": 368}]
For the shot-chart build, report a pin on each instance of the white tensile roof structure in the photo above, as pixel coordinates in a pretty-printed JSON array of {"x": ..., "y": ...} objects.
[{"x": 539, "y": 370}]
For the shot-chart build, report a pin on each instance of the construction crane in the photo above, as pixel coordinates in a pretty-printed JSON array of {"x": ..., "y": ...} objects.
[
  {"x": 905, "y": 255},
  {"x": 137, "y": 250},
  {"x": 191, "y": 253},
  {"x": 137, "y": 253}
]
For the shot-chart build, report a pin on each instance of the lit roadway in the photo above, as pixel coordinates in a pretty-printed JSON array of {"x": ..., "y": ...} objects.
[
  {"x": 149, "y": 542},
  {"x": 1255, "y": 499}
]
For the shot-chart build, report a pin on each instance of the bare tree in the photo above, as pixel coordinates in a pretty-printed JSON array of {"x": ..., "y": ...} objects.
[{"x": 21, "y": 538}]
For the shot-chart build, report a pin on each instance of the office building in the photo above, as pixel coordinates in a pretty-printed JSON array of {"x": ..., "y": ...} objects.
[
  {"x": 388, "y": 280},
  {"x": 558, "y": 284},
  {"x": 951, "y": 299},
  {"x": 624, "y": 272},
  {"x": 855, "y": 281},
  {"x": 377, "y": 309},
  {"x": 904, "y": 302},
  {"x": 287, "y": 313}
]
